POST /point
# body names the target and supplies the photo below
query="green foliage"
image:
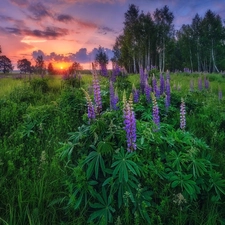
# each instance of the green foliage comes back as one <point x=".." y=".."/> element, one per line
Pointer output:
<point x="58" y="167"/>
<point x="39" y="84"/>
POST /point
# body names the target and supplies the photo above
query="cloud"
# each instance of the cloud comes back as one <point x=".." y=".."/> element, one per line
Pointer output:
<point x="64" y="18"/>
<point x="39" y="11"/>
<point x="16" y="22"/>
<point x="105" y="30"/>
<point x="21" y="3"/>
<point x="81" y="56"/>
<point x="88" y="1"/>
<point x="48" y="33"/>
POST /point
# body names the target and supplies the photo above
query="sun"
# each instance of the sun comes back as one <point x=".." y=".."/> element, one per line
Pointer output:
<point x="61" y="67"/>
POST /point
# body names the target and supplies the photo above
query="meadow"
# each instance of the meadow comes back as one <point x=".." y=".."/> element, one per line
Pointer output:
<point x="139" y="149"/>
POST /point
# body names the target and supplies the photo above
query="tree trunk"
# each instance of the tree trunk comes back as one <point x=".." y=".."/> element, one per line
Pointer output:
<point x="213" y="58"/>
<point x="191" y="61"/>
<point x="163" y="56"/>
<point x="134" y="64"/>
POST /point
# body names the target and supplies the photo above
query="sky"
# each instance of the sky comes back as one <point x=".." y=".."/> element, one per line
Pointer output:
<point x="63" y="31"/>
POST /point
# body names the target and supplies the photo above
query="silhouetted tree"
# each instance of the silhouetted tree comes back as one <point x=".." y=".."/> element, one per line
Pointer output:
<point x="24" y="65"/>
<point x="51" y="70"/>
<point x="74" y="68"/>
<point x="40" y="65"/>
<point x="102" y="60"/>
<point x="0" y="49"/>
<point x="5" y="64"/>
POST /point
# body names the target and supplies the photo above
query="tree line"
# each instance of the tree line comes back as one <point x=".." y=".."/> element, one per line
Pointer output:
<point x="25" y="66"/>
<point x="150" y="40"/>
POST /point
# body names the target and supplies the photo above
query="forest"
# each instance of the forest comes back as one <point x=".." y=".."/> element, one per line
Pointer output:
<point x="151" y="40"/>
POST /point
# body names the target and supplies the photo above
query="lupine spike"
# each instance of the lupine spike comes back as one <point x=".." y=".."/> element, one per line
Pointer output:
<point x="155" y="113"/>
<point x="130" y="124"/>
<point x="113" y="97"/>
<point x="97" y="93"/>
<point x="135" y="94"/>
<point x="162" y="84"/>
<point x="91" y="111"/>
<point x="200" y="84"/>
<point x="168" y="92"/>
<point x="220" y="95"/>
<point x="148" y="92"/>
<point x="182" y="115"/>
<point x="154" y="84"/>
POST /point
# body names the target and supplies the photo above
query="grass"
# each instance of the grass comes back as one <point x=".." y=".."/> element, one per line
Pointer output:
<point x="41" y="164"/>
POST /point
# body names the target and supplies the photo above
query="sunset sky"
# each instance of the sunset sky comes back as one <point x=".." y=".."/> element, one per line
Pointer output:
<point x="71" y="30"/>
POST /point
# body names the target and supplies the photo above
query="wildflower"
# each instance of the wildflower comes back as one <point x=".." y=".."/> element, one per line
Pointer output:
<point x="143" y="79"/>
<point x="97" y="93"/>
<point x="113" y="97"/>
<point x="166" y="103"/>
<point x="115" y="72"/>
<point x="167" y="75"/>
<point x="179" y="199"/>
<point x="148" y="91"/>
<point x="91" y="109"/>
<point x="135" y="94"/>
<point x="162" y="84"/>
<point x="157" y="92"/>
<point x="168" y="95"/>
<point x="220" y="95"/>
<point x="154" y="84"/>
<point x="155" y="113"/>
<point x="206" y="81"/>
<point x="130" y="124"/>
<point x="103" y="69"/>
<point x="182" y="115"/>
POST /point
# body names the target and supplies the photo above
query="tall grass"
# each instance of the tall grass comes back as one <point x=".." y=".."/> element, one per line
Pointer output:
<point x="42" y="165"/>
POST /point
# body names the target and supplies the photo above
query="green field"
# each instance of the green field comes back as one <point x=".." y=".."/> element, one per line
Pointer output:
<point x="60" y="167"/>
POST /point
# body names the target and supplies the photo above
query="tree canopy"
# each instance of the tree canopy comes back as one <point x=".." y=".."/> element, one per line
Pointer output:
<point x="150" y="40"/>
<point x="24" y="65"/>
<point x="102" y="60"/>
<point x="40" y="65"/>
<point x="5" y="64"/>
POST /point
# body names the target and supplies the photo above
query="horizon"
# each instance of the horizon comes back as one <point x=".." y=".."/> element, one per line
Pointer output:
<point x="68" y="31"/>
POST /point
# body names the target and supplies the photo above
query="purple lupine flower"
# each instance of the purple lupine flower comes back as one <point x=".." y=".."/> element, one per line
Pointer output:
<point x="143" y="78"/>
<point x="135" y="94"/>
<point x="182" y="115"/>
<point x="148" y="92"/>
<point x="206" y="81"/>
<point x="91" y="109"/>
<point x="157" y="92"/>
<point x="97" y="93"/>
<point x="154" y="84"/>
<point x="155" y="113"/>
<point x="130" y="125"/>
<point x="200" y="84"/>
<point x="168" y="94"/>
<point x="167" y="104"/>
<point x="103" y="70"/>
<point x="220" y="95"/>
<point x="167" y="75"/>
<point x="187" y="70"/>
<point x="191" y="85"/>
<point x="113" y="97"/>
<point x="115" y="72"/>
<point x="162" y="84"/>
